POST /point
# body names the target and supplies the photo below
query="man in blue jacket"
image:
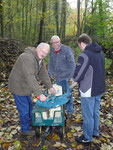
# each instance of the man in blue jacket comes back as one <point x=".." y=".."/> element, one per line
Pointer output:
<point x="62" y="66"/>
<point x="90" y="74"/>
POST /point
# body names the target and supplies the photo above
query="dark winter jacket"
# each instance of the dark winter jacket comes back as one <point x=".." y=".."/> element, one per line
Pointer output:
<point x="90" y="71"/>
<point x="23" y="77"/>
<point x="62" y="64"/>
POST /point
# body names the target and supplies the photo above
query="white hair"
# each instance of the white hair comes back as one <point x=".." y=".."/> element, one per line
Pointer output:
<point x="41" y="45"/>
<point x="55" y="36"/>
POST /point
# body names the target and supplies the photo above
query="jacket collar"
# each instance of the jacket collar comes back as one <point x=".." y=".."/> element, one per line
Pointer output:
<point x="35" y="55"/>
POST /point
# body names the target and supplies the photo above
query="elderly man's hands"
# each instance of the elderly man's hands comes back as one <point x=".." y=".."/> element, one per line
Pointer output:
<point x="42" y="97"/>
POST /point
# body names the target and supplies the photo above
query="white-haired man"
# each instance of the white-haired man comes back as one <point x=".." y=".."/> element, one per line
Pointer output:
<point x="23" y="81"/>
<point x="62" y="66"/>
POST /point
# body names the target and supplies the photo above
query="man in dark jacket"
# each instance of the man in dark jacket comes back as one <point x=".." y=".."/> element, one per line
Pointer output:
<point x="23" y="81"/>
<point x="90" y="74"/>
<point x="62" y="66"/>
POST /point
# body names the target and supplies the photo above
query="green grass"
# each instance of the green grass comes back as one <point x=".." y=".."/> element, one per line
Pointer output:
<point x="107" y="63"/>
<point x="46" y="60"/>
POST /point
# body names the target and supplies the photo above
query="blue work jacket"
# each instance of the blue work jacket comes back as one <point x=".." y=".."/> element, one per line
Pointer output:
<point x="61" y="64"/>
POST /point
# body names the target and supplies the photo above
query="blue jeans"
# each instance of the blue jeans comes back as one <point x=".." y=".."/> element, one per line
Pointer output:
<point x="91" y="116"/>
<point x="65" y="86"/>
<point x="24" y="106"/>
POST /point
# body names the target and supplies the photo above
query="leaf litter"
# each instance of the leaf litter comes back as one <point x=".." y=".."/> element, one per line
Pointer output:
<point x="10" y="134"/>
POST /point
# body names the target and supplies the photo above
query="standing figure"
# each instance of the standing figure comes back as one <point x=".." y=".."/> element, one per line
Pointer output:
<point x="90" y="74"/>
<point x="61" y="65"/>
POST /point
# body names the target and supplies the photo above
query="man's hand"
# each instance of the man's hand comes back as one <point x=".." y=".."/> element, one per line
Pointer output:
<point x="52" y="91"/>
<point x="72" y="83"/>
<point x="42" y="98"/>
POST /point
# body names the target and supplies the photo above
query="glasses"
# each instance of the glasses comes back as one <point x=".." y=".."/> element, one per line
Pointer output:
<point x="55" y="42"/>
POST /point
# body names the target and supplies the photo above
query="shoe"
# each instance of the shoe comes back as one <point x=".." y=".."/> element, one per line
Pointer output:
<point x="95" y="136"/>
<point x="81" y="139"/>
<point x="29" y="133"/>
<point x="69" y="116"/>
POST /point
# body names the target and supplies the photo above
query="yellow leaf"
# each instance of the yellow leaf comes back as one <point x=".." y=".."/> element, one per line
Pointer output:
<point x="96" y="141"/>
<point x="68" y="122"/>
<point x="44" y="147"/>
<point x="0" y="141"/>
<point x="103" y="139"/>
<point x="69" y="134"/>
<point x="55" y="137"/>
<point x="110" y="94"/>
<point x="106" y="135"/>
<point x="73" y="131"/>
<point x="73" y="145"/>
<point x="6" y="145"/>
<point x="17" y="145"/>
<point x="80" y="147"/>
<point x="36" y="144"/>
<point x="108" y="122"/>
<point x="107" y="106"/>
<point x="1" y="4"/>
<point x="78" y="120"/>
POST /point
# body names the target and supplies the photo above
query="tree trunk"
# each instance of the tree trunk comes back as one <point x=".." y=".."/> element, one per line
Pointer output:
<point x="10" y="18"/>
<point x="18" y="23"/>
<point x="78" y="18"/>
<point x="56" y="13"/>
<point x="101" y="18"/>
<point x="42" y="21"/>
<point x="30" y="22"/>
<point x="23" y="7"/>
<point x="84" y="16"/>
<point x="26" y="20"/>
<point x="63" y="20"/>
<point x="1" y="18"/>
<point x="35" y="23"/>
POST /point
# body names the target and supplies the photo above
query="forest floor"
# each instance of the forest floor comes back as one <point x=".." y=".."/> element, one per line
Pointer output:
<point x="11" y="138"/>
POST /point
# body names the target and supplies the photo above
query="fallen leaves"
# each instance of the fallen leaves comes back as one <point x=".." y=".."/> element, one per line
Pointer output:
<point x="79" y="147"/>
<point x="106" y="147"/>
<point x="55" y="137"/>
<point x="69" y="134"/>
<point x="10" y="126"/>
<point x="58" y="144"/>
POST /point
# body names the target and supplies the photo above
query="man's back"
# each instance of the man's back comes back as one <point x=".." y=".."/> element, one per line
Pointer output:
<point x="97" y="62"/>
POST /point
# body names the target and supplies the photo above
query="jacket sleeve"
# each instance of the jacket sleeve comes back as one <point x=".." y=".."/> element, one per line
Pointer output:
<point x="81" y="67"/>
<point x="44" y="76"/>
<point x="29" y="75"/>
<point x="67" y="66"/>
<point x="71" y="64"/>
<point x="51" y="65"/>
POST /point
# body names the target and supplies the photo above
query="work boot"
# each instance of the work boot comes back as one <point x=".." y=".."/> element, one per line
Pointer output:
<point x="82" y="140"/>
<point x="96" y="136"/>
<point x="29" y="133"/>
